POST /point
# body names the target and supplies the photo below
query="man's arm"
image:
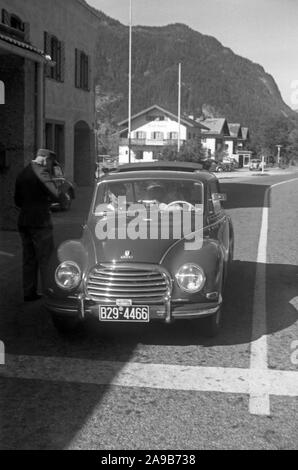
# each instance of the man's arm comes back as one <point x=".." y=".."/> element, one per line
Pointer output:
<point x="47" y="182"/>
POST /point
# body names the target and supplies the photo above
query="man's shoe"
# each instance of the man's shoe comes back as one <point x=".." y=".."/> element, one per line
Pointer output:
<point x="32" y="298"/>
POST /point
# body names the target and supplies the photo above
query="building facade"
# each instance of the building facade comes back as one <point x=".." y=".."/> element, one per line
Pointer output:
<point x="152" y="130"/>
<point x="47" y="70"/>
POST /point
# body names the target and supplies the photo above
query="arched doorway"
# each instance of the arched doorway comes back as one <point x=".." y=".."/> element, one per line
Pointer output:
<point x="82" y="154"/>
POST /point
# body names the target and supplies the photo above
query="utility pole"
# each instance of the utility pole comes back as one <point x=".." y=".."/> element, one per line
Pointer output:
<point x="130" y="82"/>
<point x="179" y="109"/>
<point x="278" y="153"/>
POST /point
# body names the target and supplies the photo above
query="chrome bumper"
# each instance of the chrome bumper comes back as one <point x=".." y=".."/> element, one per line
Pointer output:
<point x="82" y="307"/>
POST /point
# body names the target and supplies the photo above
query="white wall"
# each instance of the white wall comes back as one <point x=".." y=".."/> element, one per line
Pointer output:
<point x="209" y="144"/>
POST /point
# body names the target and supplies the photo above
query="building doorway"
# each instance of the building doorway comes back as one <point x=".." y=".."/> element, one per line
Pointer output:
<point x="83" y="167"/>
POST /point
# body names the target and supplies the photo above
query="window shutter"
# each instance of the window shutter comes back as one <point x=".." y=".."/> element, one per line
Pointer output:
<point x="89" y="73"/>
<point x="62" y="61"/>
<point x="47" y="49"/>
<point x="77" y="68"/>
<point x="5" y="17"/>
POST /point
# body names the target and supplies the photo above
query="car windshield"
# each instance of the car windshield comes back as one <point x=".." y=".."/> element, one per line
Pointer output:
<point x="161" y="192"/>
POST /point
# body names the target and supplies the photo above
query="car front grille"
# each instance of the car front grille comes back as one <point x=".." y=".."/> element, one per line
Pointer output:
<point x="150" y="284"/>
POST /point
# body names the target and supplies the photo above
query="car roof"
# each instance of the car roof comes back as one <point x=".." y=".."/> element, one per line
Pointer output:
<point x="167" y="170"/>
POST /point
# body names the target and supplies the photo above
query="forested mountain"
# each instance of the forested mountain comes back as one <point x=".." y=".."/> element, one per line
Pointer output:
<point x="216" y="82"/>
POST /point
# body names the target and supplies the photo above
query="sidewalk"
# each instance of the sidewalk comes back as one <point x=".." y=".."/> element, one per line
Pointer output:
<point x="245" y="173"/>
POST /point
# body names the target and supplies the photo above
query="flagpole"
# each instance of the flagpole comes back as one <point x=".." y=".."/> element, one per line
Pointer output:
<point x="179" y="109"/>
<point x="130" y="82"/>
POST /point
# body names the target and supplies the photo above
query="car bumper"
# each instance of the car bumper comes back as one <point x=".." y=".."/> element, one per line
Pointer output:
<point x="169" y="311"/>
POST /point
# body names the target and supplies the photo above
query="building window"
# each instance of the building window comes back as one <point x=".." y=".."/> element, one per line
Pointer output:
<point x="141" y="135"/>
<point x="82" y="72"/>
<point x="56" y="50"/>
<point x="14" y="26"/>
<point x="157" y="135"/>
<point x="151" y="118"/>
<point x="173" y="135"/>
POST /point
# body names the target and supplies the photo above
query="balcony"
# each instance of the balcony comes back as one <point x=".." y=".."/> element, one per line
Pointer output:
<point x="149" y="142"/>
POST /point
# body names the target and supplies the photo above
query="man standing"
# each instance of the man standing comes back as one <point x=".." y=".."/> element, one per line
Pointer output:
<point x="34" y="192"/>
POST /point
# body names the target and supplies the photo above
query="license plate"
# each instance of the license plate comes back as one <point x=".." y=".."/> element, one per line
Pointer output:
<point x="138" y="314"/>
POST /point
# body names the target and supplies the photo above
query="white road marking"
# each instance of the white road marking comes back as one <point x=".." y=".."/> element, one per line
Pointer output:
<point x="259" y="402"/>
<point x="155" y="376"/>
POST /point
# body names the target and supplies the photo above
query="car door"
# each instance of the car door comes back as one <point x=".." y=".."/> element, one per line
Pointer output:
<point x="217" y="221"/>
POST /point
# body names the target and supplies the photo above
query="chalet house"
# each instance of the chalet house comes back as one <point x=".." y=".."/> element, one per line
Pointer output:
<point x="228" y="139"/>
<point x="231" y="143"/>
<point x="215" y="137"/>
<point x="152" y="129"/>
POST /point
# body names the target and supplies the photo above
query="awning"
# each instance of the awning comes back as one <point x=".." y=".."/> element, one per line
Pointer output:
<point x="23" y="49"/>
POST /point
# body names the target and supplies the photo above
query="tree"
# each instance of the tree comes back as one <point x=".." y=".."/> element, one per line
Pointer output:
<point x="191" y="151"/>
<point x="292" y="149"/>
<point x="169" y="153"/>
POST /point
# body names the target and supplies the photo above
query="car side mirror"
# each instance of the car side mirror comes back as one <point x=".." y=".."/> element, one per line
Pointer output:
<point x="219" y="197"/>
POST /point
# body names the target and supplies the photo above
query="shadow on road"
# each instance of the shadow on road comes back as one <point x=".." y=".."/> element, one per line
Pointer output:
<point x="244" y="195"/>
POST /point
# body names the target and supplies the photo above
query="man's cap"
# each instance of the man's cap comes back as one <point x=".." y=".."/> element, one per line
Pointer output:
<point x="46" y="153"/>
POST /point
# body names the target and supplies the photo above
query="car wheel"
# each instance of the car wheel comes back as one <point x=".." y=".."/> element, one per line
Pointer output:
<point x="66" y="326"/>
<point x="219" y="170"/>
<point x="67" y="200"/>
<point x="211" y="325"/>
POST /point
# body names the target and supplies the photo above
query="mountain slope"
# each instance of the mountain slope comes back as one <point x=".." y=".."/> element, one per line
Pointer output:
<point x="216" y="81"/>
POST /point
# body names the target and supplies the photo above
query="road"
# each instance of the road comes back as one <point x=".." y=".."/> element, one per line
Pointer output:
<point x="158" y="386"/>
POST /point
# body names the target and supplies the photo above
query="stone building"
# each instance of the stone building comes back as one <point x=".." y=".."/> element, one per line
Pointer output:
<point x="47" y="71"/>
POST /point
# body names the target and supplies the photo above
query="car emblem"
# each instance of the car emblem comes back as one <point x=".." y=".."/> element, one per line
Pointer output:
<point x="127" y="255"/>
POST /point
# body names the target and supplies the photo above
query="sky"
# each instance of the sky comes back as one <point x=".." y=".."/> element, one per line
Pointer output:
<point x="264" y="31"/>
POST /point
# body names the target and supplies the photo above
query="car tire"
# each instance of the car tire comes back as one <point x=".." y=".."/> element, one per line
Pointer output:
<point x="66" y="203"/>
<point x="211" y="325"/>
<point x="66" y="326"/>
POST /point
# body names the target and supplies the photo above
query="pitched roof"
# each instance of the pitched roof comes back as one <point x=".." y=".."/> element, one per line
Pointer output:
<point x="184" y="120"/>
<point x="218" y="126"/>
<point x="235" y="130"/>
<point x="245" y="133"/>
<point x="23" y="45"/>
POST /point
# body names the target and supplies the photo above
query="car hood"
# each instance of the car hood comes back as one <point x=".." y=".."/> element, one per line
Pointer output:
<point x="139" y="250"/>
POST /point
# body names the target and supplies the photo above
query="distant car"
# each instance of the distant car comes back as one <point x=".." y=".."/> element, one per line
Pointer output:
<point x="255" y="164"/>
<point x="66" y="186"/>
<point x="153" y="277"/>
<point x="213" y="165"/>
<point x="230" y="163"/>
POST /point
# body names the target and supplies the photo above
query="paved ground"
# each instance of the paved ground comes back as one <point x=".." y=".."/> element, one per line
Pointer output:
<point x="161" y="387"/>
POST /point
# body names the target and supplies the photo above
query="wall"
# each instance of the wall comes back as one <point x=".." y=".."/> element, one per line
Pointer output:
<point x="17" y="136"/>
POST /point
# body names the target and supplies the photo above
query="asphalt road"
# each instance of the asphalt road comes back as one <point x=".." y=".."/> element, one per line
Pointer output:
<point x="158" y="386"/>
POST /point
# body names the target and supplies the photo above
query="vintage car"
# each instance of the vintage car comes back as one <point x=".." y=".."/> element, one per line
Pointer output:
<point x="119" y="272"/>
<point x="65" y="186"/>
<point x="255" y="164"/>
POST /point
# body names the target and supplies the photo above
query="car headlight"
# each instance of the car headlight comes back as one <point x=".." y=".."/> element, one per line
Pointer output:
<point x="191" y="278"/>
<point x="68" y="275"/>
